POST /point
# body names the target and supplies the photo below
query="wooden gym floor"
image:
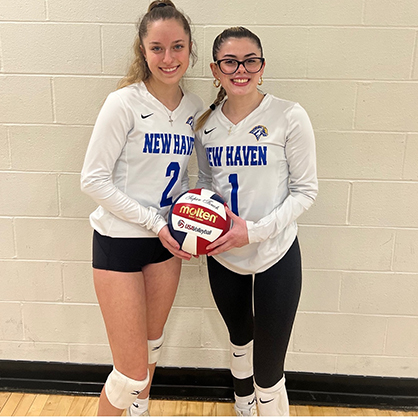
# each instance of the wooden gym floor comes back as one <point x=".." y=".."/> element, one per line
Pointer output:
<point x="29" y="404"/>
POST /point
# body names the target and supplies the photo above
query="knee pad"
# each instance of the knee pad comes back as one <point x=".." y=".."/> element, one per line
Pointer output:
<point x="273" y="401"/>
<point x="121" y="390"/>
<point x="242" y="360"/>
<point x="154" y="349"/>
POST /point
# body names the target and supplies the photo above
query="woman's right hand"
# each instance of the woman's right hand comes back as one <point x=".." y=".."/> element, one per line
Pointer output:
<point x="236" y="237"/>
<point x="171" y="244"/>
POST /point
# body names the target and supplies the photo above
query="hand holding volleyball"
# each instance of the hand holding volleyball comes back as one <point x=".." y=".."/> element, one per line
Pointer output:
<point x="196" y="219"/>
<point x="236" y="237"/>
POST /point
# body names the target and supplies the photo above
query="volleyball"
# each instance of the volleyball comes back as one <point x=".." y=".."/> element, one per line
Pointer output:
<point x="196" y="219"/>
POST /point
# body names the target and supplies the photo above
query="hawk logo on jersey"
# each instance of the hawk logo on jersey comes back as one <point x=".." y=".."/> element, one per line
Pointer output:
<point x="190" y="121"/>
<point x="259" y="131"/>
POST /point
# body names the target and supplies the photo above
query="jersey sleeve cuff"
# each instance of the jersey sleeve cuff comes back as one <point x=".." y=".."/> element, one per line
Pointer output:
<point x="159" y="224"/>
<point x="252" y="235"/>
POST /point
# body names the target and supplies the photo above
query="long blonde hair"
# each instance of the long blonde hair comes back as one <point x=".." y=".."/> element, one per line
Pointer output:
<point x="157" y="10"/>
<point x="234" y="32"/>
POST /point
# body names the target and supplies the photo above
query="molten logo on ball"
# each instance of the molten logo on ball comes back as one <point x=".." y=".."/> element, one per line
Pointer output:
<point x="196" y="219"/>
<point x="198" y="214"/>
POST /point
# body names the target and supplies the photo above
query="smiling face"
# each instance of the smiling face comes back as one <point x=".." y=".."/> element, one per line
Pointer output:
<point x="241" y="82"/>
<point x="166" y="49"/>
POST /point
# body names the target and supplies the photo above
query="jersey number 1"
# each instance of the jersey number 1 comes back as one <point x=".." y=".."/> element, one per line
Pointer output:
<point x="173" y="170"/>
<point x="233" y="180"/>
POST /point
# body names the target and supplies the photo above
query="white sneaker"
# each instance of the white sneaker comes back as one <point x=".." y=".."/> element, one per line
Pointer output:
<point x="132" y="411"/>
<point x="251" y="412"/>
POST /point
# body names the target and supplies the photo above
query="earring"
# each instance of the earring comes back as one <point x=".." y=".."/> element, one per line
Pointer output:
<point x="260" y="82"/>
<point x="216" y="83"/>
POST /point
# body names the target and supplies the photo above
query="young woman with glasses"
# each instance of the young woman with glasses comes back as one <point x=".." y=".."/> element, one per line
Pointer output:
<point x="135" y="166"/>
<point x="258" y="152"/>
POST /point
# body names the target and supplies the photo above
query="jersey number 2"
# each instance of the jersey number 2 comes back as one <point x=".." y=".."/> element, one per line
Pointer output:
<point x="173" y="170"/>
<point x="233" y="180"/>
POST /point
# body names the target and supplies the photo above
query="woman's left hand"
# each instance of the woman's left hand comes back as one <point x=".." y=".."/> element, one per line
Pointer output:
<point x="172" y="245"/>
<point x="236" y="237"/>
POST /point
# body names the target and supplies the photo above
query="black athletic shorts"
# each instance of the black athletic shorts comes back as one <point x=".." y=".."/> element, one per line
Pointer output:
<point x="127" y="254"/>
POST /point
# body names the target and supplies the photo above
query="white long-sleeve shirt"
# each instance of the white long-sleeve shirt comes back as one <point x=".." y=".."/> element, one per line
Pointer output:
<point x="265" y="167"/>
<point x="136" y="161"/>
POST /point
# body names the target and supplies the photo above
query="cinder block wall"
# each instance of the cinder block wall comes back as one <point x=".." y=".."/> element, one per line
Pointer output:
<point x="352" y="64"/>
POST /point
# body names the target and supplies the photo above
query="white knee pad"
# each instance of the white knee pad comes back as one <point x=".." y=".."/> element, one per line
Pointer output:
<point x="121" y="390"/>
<point x="154" y="349"/>
<point x="242" y="360"/>
<point x="273" y="401"/>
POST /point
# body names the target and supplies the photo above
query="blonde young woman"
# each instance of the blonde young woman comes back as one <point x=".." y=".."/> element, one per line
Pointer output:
<point x="258" y="152"/>
<point x="135" y="166"/>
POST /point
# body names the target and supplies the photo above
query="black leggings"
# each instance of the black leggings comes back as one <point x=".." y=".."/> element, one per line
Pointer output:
<point x="276" y="298"/>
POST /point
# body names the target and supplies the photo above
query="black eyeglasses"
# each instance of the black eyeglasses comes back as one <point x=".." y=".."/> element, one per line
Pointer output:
<point x="229" y="65"/>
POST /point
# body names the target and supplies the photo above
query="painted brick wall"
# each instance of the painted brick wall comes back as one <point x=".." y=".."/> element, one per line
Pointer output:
<point x="352" y="64"/>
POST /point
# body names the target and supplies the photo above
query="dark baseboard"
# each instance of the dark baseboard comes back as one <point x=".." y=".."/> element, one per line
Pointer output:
<point x="212" y="384"/>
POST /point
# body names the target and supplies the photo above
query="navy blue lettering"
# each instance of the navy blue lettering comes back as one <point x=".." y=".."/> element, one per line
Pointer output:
<point x="166" y="142"/>
<point x="161" y="143"/>
<point x="148" y="143"/>
<point x="217" y="155"/>
<point x="237" y="159"/>
<point x="209" y="155"/>
<point x="183" y="145"/>
<point x="156" y="149"/>
<point x="176" y="149"/>
<point x="214" y="155"/>
<point x="191" y="145"/>
<point x="237" y="155"/>
<point x="253" y="151"/>
<point x="229" y="151"/>
<point x="246" y="153"/>
<point x="262" y="155"/>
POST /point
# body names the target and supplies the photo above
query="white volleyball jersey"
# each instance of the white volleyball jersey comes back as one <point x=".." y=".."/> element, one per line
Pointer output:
<point x="265" y="168"/>
<point x="136" y="161"/>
